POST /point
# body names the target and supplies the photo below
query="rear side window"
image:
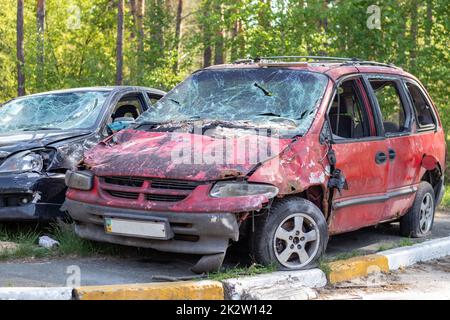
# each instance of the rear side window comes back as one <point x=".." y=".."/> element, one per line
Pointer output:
<point x="422" y="108"/>
<point x="391" y="106"/>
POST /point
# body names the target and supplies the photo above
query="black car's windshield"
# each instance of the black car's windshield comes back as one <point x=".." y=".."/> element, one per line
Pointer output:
<point x="262" y="96"/>
<point x="58" y="111"/>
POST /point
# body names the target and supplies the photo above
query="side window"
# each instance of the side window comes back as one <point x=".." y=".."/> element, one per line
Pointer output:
<point x="422" y="109"/>
<point x="153" y="97"/>
<point x="391" y="106"/>
<point x="347" y="114"/>
<point x="131" y="105"/>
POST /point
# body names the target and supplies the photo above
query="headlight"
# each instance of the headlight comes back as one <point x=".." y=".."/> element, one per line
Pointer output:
<point x="23" y="162"/>
<point x="240" y="189"/>
<point x="81" y="180"/>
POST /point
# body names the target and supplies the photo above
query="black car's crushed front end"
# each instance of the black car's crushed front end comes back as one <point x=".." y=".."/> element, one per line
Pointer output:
<point x="31" y="196"/>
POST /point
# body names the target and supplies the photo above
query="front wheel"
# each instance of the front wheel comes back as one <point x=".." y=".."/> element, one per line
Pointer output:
<point x="293" y="235"/>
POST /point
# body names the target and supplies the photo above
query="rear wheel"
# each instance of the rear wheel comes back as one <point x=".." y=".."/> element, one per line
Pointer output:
<point x="293" y="235"/>
<point x="418" y="222"/>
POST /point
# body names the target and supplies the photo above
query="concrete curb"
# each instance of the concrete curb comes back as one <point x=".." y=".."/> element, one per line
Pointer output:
<point x="406" y="256"/>
<point x="282" y="285"/>
<point x="388" y="260"/>
<point x="344" y="270"/>
<point x="183" y="290"/>
<point x="38" y="293"/>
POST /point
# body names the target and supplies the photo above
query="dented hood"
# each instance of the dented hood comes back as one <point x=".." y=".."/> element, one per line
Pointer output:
<point x="187" y="156"/>
<point x="21" y="141"/>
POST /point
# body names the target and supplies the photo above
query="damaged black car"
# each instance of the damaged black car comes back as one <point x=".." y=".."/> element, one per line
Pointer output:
<point x="44" y="135"/>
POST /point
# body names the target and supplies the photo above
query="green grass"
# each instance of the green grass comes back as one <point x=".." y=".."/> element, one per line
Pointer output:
<point x="238" y="272"/>
<point x="445" y="204"/>
<point x="345" y="255"/>
<point x="325" y="267"/>
<point x="406" y="242"/>
<point x="27" y="239"/>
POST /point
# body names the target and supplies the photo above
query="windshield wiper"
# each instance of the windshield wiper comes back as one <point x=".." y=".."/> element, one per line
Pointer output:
<point x="264" y="90"/>
<point x="41" y="129"/>
<point x="269" y="114"/>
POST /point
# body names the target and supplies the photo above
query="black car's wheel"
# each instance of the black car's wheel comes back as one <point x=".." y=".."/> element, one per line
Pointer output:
<point x="418" y="222"/>
<point x="293" y="235"/>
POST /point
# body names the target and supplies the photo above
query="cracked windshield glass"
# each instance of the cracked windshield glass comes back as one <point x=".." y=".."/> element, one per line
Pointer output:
<point x="282" y="99"/>
<point x="58" y="111"/>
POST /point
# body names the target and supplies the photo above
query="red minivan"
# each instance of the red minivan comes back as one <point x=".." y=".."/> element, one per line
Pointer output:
<point x="276" y="152"/>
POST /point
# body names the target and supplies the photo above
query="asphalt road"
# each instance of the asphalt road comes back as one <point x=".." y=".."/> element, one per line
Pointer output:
<point x="148" y="266"/>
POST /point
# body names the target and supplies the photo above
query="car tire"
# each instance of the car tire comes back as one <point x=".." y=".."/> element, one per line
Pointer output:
<point x="418" y="222"/>
<point x="292" y="235"/>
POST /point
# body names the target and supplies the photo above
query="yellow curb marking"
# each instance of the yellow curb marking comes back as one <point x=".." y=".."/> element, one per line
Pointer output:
<point x="345" y="270"/>
<point x="186" y="290"/>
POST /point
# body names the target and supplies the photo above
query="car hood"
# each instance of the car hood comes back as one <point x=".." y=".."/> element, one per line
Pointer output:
<point x="187" y="156"/>
<point x="20" y="141"/>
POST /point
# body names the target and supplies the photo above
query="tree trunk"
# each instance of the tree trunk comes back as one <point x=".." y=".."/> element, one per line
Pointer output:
<point x="178" y="34"/>
<point x="413" y="31"/>
<point x="40" y="18"/>
<point x="206" y="29"/>
<point x="234" y="36"/>
<point x="133" y="10"/>
<point x="20" y="53"/>
<point x="218" y="41"/>
<point x="140" y="36"/>
<point x="140" y="24"/>
<point x="119" y="47"/>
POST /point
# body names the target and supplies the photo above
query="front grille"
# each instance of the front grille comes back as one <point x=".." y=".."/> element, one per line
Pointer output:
<point x="177" y="190"/>
<point x="174" y="184"/>
<point x="125" y="181"/>
<point x="154" y="183"/>
<point x="125" y="195"/>
<point x="165" y="197"/>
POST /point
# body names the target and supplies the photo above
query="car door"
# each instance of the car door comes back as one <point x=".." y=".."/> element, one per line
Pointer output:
<point x="404" y="162"/>
<point x="361" y="155"/>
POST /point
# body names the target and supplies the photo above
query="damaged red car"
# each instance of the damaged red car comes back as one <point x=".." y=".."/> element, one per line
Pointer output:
<point x="275" y="152"/>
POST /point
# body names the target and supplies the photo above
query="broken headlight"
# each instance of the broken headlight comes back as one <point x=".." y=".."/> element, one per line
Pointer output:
<point x="81" y="180"/>
<point x="23" y="162"/>
<point x="241" y="189"/>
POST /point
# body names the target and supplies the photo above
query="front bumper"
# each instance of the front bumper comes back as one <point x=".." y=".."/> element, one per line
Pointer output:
<point x="194" y="233"/>
<point x="31" y="196"/>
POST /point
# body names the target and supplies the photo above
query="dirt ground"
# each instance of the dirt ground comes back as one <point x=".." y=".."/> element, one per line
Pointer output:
<point x="430" y="280"/>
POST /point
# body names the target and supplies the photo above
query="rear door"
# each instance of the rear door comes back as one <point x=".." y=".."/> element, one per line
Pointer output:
<point x="361" y="155"/>
<point x="397" y="121"/>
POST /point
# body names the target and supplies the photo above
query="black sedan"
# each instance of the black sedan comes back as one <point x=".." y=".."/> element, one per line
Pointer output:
<point x="44" y="135"/>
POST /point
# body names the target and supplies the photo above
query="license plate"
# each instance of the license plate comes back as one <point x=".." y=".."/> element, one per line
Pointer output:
<point x="143" y="229"/>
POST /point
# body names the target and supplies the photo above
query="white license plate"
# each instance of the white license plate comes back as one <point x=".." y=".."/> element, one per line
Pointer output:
<point x="144" y="229"/>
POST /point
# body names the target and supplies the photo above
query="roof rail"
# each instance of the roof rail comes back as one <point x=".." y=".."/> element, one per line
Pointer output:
<point x="274" y="60"/>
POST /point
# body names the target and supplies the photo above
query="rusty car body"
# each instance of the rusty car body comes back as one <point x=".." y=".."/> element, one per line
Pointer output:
<point x="347" y="144"/>
<point x="45" y="134"/>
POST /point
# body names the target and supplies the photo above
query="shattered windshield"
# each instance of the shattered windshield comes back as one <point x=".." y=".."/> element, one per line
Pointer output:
<point x="263" y="97"/>
<point x="58" y="111"/>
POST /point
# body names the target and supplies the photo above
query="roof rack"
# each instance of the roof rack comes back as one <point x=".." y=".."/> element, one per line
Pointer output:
<point x="281" y="61"/>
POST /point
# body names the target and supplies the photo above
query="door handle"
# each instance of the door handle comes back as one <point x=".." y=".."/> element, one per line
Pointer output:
<point x="380" y="157"/>
<point x="392" y="154"/>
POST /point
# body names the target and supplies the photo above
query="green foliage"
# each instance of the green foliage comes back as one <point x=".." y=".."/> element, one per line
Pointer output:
<point x="80" y="49"/>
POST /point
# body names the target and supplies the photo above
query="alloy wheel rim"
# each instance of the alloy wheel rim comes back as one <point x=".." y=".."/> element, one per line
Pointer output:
<point x="426" y="213"/>
<point x="296" y="240"/>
